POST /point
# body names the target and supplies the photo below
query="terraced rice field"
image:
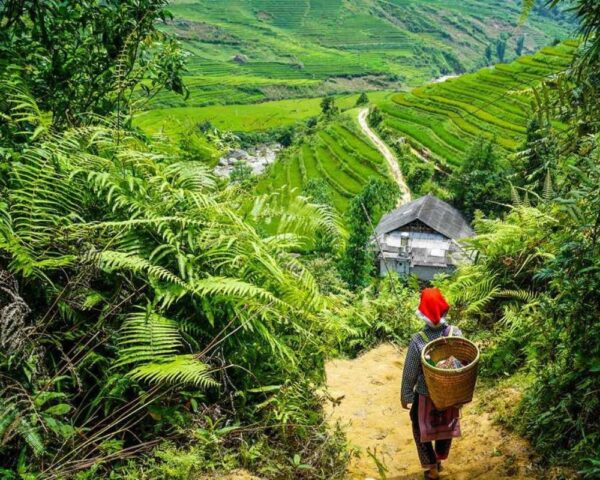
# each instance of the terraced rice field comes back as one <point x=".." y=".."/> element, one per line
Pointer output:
<point x="339" y="154"/>
<point x="445" y="119"/>
<point x="442" y="120"/>
<point x="243" y="51"/>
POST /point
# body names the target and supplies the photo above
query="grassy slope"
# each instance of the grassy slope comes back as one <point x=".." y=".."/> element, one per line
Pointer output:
<point x="295" y="47"/>
<point x="446" y="118"/>
<point x="337" y="153"/>
<point x="242" y="118"/>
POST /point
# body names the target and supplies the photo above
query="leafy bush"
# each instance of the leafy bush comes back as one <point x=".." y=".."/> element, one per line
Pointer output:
<point x="531" y="294"/>
<point x="137" y="293"/>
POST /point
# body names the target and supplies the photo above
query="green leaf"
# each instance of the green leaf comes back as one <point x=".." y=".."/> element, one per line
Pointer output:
<point x="57" y="410"/>
<point x="61" y="429"/>
<point x="43" y="397"/>
<point x="183" y="369"/>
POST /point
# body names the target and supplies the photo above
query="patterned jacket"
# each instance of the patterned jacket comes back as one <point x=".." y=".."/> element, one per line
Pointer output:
<point x="412" y="377"/>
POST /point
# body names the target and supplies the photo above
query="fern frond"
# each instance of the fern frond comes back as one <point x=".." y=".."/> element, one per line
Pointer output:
<point x="521" y="295"/>
<point x="111" y="260"/>
<point x="182" y="369"/>
<point x="191" y="176"/>
<point x="233" y="288"/>
<point x="42" y="199"/>
<point x="147" y="337"/>
<point x="31" y="435"/>
<point x="516" y="198"/>
<point x="296" y="215"/>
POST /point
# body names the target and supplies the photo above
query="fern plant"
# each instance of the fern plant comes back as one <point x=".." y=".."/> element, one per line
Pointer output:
<point x="144" y="274"/>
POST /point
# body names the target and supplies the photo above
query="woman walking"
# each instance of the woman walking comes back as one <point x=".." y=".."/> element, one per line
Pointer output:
<point x="428" y="424"/>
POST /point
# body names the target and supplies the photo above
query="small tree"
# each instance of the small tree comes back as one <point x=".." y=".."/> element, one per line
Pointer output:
<point x="328" y="106"/>
<point x="286" y="137"/>
<point x="375" y="117"/>
<point x="480" y="183"/>
<point x="376" y="198"/>
<point x="488" y="54"/>
<point x="362" y="100"/>
<point x="520" y="45"/>
<point x="501" y="49"/>
<point x="90" y="56"/>
<point x="538" y="157"/>
<point x="419" y="175"/>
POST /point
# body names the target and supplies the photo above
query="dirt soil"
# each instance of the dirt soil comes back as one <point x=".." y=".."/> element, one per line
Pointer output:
<point x="370" y="387"/>
<point x="389" y="156"/>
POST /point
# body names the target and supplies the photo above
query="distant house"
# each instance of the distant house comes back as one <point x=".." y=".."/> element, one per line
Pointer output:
<point x="421" y="238"/>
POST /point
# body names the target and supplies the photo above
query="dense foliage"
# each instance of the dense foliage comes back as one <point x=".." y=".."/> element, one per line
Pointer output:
<point x="534" y="282"/>
<point x="88" y="57"/>
<point x="481" y="183"/>
<point x="125" y="271"/>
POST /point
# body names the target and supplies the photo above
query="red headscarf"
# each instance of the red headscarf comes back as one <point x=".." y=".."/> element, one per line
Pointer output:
<point x="433" y="305"/>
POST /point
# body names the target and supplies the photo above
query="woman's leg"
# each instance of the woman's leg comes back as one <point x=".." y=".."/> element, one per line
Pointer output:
<point x="442" y="449"/>
<point x="425" y="450"/>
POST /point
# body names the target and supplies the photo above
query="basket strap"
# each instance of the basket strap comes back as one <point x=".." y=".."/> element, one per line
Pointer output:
<point x="424" y="336"/>
<point x="448" y="331"/>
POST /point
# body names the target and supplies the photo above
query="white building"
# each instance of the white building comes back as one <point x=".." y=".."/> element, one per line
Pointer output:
<point x="421" y="238"/>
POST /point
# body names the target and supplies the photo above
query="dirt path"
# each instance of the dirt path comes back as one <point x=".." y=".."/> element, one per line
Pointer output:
<point x="387" y="154"/>
<point x="371" y="406"/>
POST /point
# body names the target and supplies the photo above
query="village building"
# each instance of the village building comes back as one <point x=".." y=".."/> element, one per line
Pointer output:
<point x="421" y="238"/>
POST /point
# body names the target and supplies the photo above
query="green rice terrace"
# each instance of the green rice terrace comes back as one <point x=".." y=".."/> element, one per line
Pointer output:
<point x="443" y="120"/>
<point x="244" y="51"/>
<point x="338" y="154"/>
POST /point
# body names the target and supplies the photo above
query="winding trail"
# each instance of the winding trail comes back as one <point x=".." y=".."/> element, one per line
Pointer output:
<point x="368" y="393"/>
<point x="391" y="159"/>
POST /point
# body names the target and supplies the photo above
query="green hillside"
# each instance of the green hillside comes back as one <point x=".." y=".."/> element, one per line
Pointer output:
<point x="445" y="119"/>
<point x="338" y="154"/>
<point x="243" y="51"/>
<point x="441" y="120"/>
<point x="241" y="117"/>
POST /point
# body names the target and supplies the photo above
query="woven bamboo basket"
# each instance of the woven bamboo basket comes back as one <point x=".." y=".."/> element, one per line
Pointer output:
<point x="453" y="387"/>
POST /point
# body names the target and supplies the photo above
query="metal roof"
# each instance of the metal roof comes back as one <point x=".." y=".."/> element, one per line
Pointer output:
<point x="433" y="212"/>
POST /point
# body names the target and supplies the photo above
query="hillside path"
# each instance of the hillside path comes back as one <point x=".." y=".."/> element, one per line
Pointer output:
<point x="391" y="159"/>
<point x="376" y="421"/>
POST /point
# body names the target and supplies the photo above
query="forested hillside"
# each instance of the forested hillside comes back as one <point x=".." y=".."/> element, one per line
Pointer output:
<point x="160" y="320"/>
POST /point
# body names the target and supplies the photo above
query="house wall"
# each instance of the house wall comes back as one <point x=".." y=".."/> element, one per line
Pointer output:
<point x="393" y="265"/>
<point x="427" y="273"/>
<point x="430" y="253"/>
<point x="437" y="244"/>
